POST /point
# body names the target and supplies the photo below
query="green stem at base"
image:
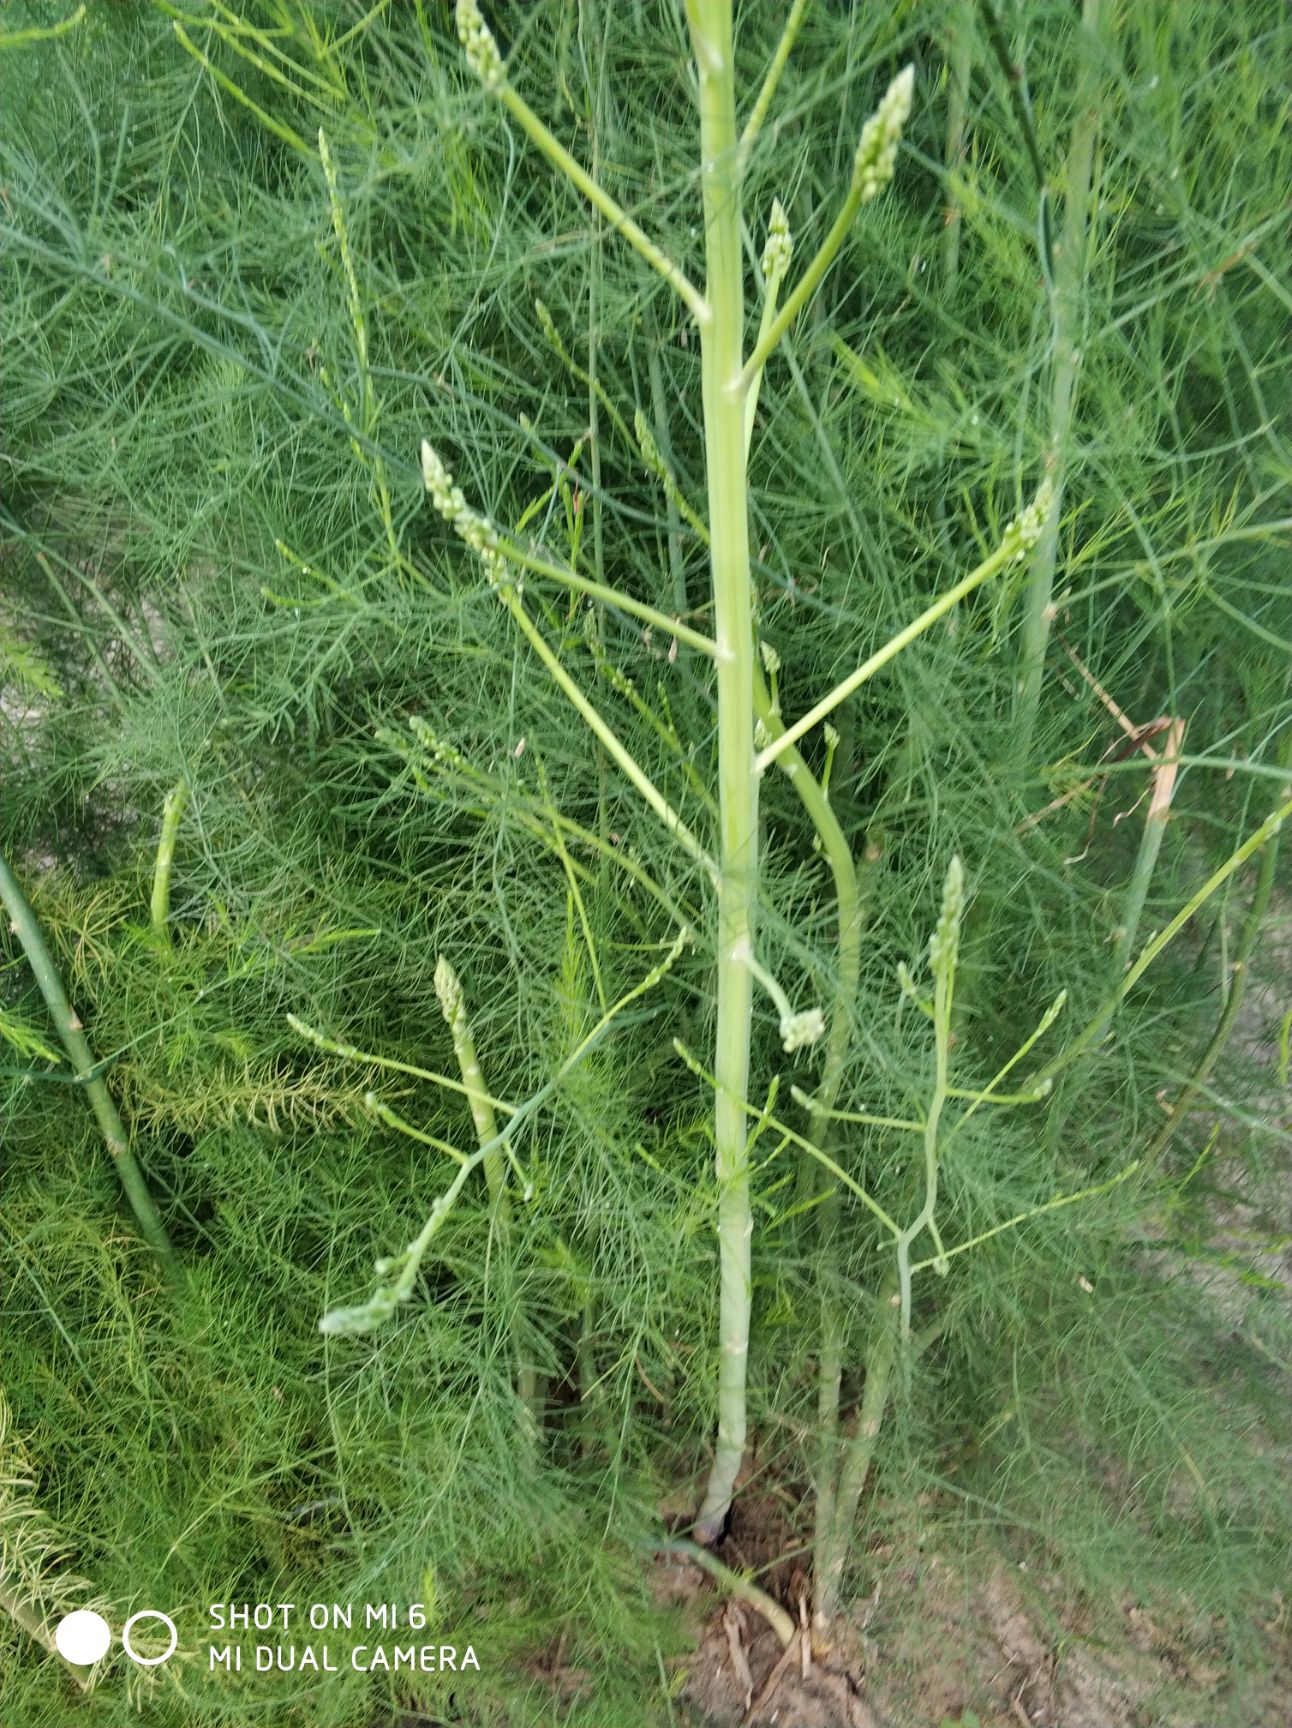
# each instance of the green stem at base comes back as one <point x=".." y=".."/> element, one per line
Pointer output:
<point x="832" y="1554"/>
<point x="24" y="925"/>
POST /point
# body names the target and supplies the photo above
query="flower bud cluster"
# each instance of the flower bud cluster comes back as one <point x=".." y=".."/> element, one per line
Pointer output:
<point x="481" y="49"/>
<point x="876" y="157"/>
<point x="802" y="1028"/>
<point x="945" y="940"/>
<point x="477" y="530"/>
<point x="449" y="991"/>
<point x="648" y="447"/>
<point x="547" y="325"/>
<point x="436" y="748"/>
<point x="1025" y="530"/>
<point x="779" y="249"/>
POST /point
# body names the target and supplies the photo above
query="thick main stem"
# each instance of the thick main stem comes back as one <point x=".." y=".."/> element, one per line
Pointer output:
<point x="721" y="342"/>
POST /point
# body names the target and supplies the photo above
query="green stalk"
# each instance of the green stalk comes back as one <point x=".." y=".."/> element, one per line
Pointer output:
<point x="1155" y="945"/>
<point x="1141" y="877"/>
<point x="1150" y="845"/>
<point x="960" y="56"/>
<point x="23" y="924"/>
<point x="871" y="171"/>
<point x="1253" y="924"/>
<point x="601" y="200"/>
<point x="649" y="791"/>
<point x="1019" y="537"/>
<point x="398" y="1272"/>
<point x="758" y="113"/>
<point x="172" y="812"/>
<point x="727" y="385"/>
<point x="721" y="344"/>
<point x="944" y="952"/>
<point x="1069" y="268"/>
<point x="494" y="1149"/>
<point x="821" y="1105"/>
<point x="832" y="1554"/>
<point x="454" y="1009"/>
<point x="525" y="559"/>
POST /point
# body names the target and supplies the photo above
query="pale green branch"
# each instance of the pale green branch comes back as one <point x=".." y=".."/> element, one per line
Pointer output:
<point x="399" y="1271"/>
<point x="486" y="62"/>
<point x="1023" y="1217"/>
<point x="795" y="1139"/>
<point x="1019" y="536"/>
<point x="758" y="113"/>
<point x="872" y="169"/>
<point x="172" y="812"/>
<point x="639" y="778"/>
<point x="1152" y="949"/>
<point x="814" y="1108"/>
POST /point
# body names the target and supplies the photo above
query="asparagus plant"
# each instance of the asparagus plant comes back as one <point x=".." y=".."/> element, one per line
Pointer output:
<point x="752" y="736"/>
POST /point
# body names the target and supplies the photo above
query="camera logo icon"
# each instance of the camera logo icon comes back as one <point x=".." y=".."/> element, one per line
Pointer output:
<point x="83" y="1637"/>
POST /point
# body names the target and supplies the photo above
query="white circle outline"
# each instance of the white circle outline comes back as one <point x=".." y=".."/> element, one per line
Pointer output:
<point x="149" y="1614"/>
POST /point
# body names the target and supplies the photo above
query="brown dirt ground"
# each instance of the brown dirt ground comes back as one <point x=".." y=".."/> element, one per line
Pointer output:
<point x="933" y="1643"/>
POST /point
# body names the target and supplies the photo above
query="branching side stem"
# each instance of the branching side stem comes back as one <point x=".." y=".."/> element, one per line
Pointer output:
<point x="758" y="113"/>
<point x="600" y="199"/>
<point x="644" y="784"/>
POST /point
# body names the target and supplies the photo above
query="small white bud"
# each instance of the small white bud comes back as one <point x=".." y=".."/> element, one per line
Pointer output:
<point x="1025" y="530"/>
<point x="771" y="659"/>
<point x="478" y="41"/>
<point x="876" y="156"/>
<point x="449" y="991"/>
<point x="779" y="249"/>
<point x="438" y="482"/>
<point x="945" y="940"/>
<point x="800" y="1029"/>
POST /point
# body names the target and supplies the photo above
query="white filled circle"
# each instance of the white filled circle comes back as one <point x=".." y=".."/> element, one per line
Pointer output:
<point x="82" y="1637"/>
<point x="149" y="1614"/>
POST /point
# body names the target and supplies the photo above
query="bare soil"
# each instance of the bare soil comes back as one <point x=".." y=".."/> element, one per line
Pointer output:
<point x="937" y="1646"/>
